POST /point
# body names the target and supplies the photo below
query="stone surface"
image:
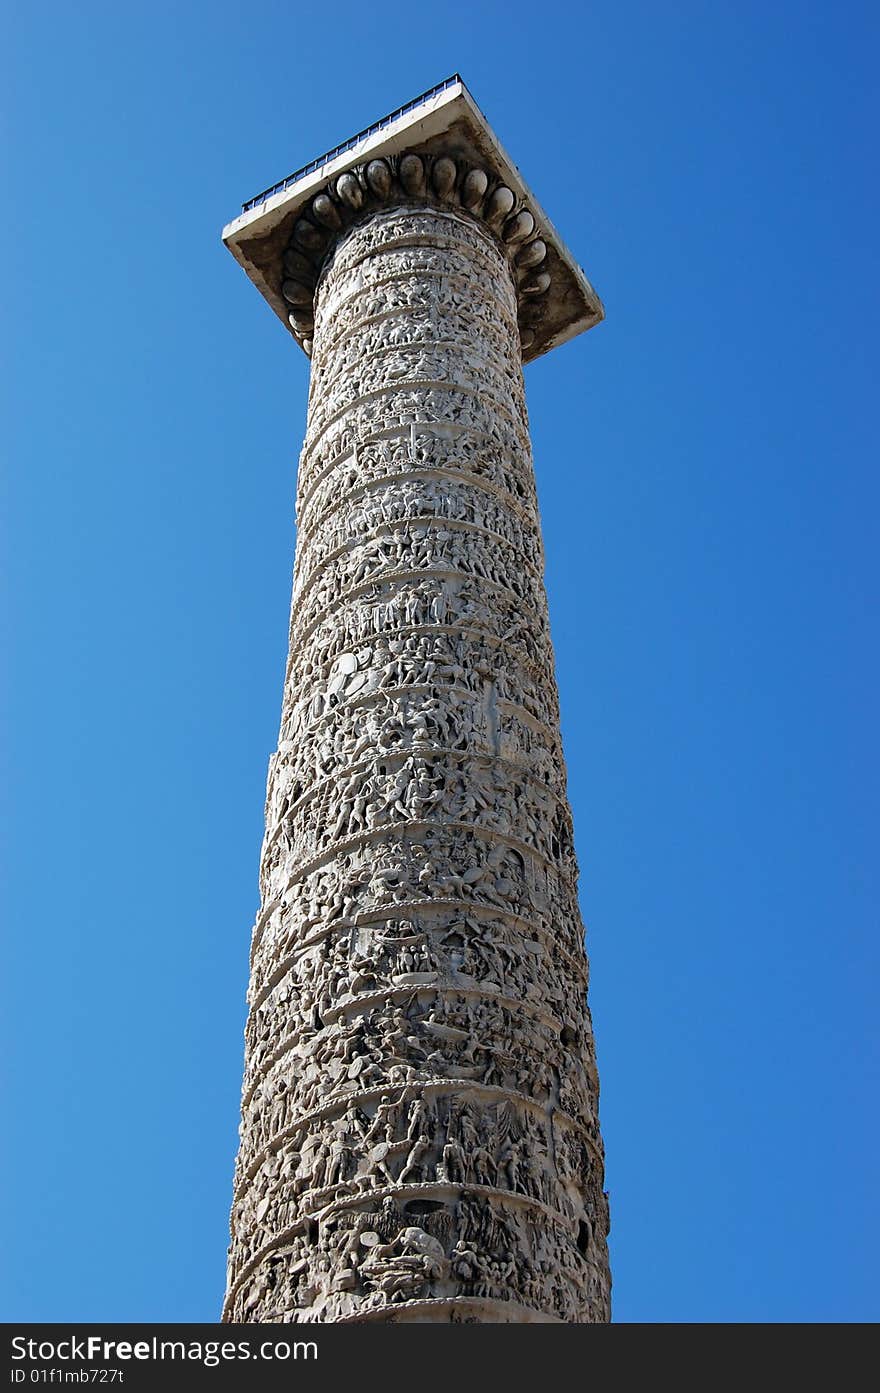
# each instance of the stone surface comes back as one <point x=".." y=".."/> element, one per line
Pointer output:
<point x="419" y="1135"/>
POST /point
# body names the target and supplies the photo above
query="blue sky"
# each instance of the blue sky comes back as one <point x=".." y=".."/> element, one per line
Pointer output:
<point x="707" y="467"/>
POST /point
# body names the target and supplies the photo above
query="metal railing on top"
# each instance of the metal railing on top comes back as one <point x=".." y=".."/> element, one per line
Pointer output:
<point x="349" y="144"/>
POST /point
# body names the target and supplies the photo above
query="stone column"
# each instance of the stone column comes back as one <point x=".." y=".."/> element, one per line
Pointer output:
<point x="419" y="1134"/>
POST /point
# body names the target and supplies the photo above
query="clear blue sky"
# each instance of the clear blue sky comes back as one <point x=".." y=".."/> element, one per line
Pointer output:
<point x="707" y="465"/>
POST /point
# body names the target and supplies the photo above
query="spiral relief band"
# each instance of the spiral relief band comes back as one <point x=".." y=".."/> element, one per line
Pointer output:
<point x="419" y="1136"/>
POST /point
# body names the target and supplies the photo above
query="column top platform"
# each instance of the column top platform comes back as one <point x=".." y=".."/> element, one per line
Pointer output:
<point x="282" y="235"/>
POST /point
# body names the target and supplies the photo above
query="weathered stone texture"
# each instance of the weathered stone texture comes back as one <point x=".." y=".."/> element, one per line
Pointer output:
<point x="419" y="1137"/>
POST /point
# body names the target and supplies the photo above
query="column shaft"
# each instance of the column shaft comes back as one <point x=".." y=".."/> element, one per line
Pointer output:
<point x="419" y="1131"/>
